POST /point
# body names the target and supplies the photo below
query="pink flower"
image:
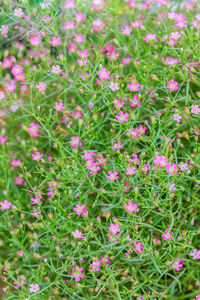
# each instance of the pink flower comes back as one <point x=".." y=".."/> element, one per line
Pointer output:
<point x="34" y="288"/>
<point x="195" y="109"/>
<point x="20" y="253"/>
<point x="35" y="40"/>
<point x="15" y="163"/>
<point x="75" y="142"/>
<point x="104" y="74"/>
<point x="7" y="63"/>
<point x="177" y="118"/>
<point x="135" y="101"/>
<point x="59" y="106"/>
<point x="56" y="69"/>
<point x="55" y="41"/>
<point x="138" y="247"/>
<point x="77" y="273"/>
<point x="112" y="175"/>
<point x="160" y="161"/>
<point x="171" y="61"/>
<point x="131" y="207"/>
<point x="18" y="12"/>
<point x="134" y="86"/>
<point x="117" y="146"/>
<point x="171" y="168"/>
<point x="3" y="139"/>
<point x="80" y="210"/>
<point x="195" y="254"/>
<point x="131" y="171"/>
<point x="122" y="117"/>
<point x="37" y="156"/>
<point x="118" y="103"/>
<point x="126" y="30"/>
<point x="167" y="235"/>
<point x="21" y="280"/>
<point x="36" y="200"/>
<point x="79" y="17"/>
<point x="70" y="4"/>
<point x="77" y="234"/>
<point x="136" y="24"/>
<point x="95" y="266"/>
<point x="19" y="180"/>
<point x="2" y="95"/>
<point x="98" y="25"/>
<point x="105" y="260"/>
<point x="41" y="86"/>
<point x="112" y="55"/>
<point x="5" y="205"/>
<point x="4" y="30"/>
<point x="70" y="25"/>
<point x="10" y="87"/>
<point x="33" y="129"/>
<point x="36" y="213"/>
<point x="114" y="228"/>
<point x="177" y="265"/>
<point x="17" y="69"/>
<point x="172" y="85"/>
<point x="78" y="38"/>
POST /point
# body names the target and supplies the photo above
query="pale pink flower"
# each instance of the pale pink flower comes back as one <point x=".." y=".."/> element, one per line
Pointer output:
<point x="114" y="86"/>
<point x="122" y="117"/>
<point x="112" y="175"/>
<point x="131" y="207"/>
<point x="172" y="85"/>
<point x="114" y="228"/>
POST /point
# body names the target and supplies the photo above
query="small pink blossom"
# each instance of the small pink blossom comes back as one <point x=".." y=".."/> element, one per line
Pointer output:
<point x="35" y="40"/>
<point x="134" y="86"/>
<point x="114" y="228"/>
<point x="172" y="85"/>
<point x="167" y="235"/>
<point x="131" y="171"/>
<point x="195" y="109"/>
<point x="122" y="117"/>
<point x="114" y="86"/>
<point x="138" y="247"/>
<point x="59" y="106"/>
<point x="5" y="204"/>
<point x="77" y="273"/>
<point x="104" y="74"/>
<point x="77" y="234"/>
<point x="112" y="175"/>
<point x="75" y="142"/>
<point x="131" y="207"/>
<point x="18" y="12"/>
<point x="37" y="156"/>
<point x="56" y="69"/>
<point x="34" y="288"/>
<point x="55" y="41"/>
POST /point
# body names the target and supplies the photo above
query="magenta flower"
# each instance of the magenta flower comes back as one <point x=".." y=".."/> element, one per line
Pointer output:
<point x="56" y="69"/>
<point x="177" y="265"/>
<point x="122" y="117"/>
<point x="105" y="260"/>
<point x="77" y="234"/>
<point x="36" y="200"/>
<point x="195" y="254"/>
<point x="79" y="38"/>
<point x="167" y="235"/>
<point x="131" y="171"/>
<point x="104" y="74"/>
<point x="77" y="273"/>
<point x="36" y="213"/>
<point x="131" y="207"/>
<point x="138" y="247"/>
<point x="5" y="205"/>
<point x="114" y="86"/>
<point x="21" y="280"/>
<point x="134" y="86"/>
<point x="37" y="156"/>
<point x="171" y="168"/>
<point x="35" y="41"/>
<point x="3" y="139"/>
<point x="177" y="118"/>
<point x="95" y="266"/>
<point x="75" y="142"/>
<point x="33" y="129"/>
<point x="172" y="85"/>
<point x="114" y="228"/>
<point x="41" y="86"/>
<point x="160" y="161"/>
<point x="70" y="4"/>
<point x="195" y="109"/>
<point x="4" y="30"/>
<point x="55" y="41"/>
<point x="80" y="210"/>
<point x="34" y="288"/>
<point x="112" y="175"/>
<point x="19" y="180"/>
<point x="59" y="106"/>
